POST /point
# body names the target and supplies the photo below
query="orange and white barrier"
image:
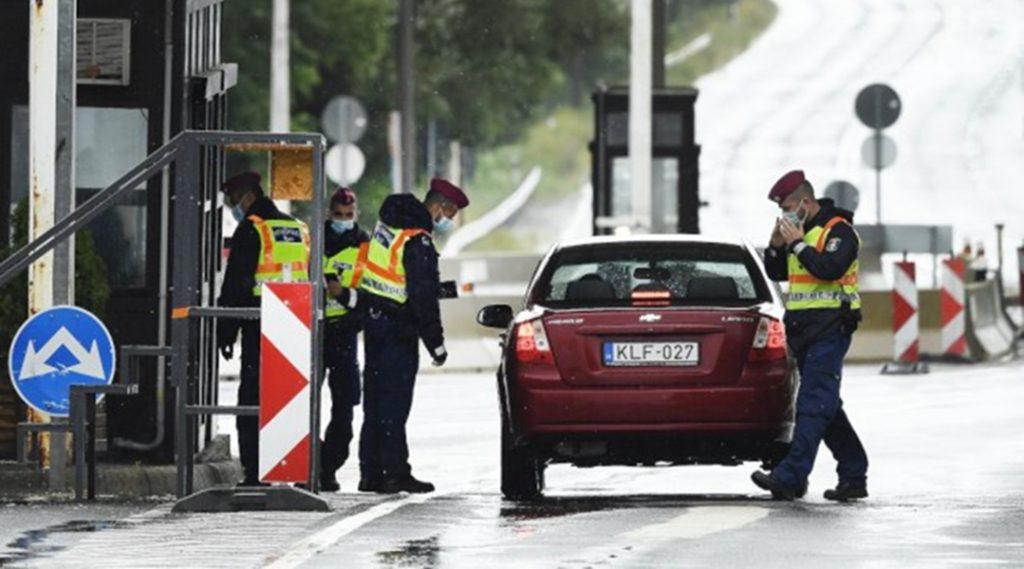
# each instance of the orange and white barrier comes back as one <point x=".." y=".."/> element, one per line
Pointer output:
<point x="952" y="299"/>
<point x="904" y="313"/>
<point x="286" y="312"/>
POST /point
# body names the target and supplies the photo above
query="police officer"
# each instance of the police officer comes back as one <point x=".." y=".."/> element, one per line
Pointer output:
<point x="400" y="286"/>
<point x="815" y="248"/>
<point x="345" y="249"/>
<point x="267" y="246"/>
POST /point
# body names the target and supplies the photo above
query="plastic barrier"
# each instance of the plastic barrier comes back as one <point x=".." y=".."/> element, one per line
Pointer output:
<point x="285" y="366"/>
<point x="905" y="326"/>
<point x="951" y="306"/>
<point x="906" y="344"/>
<point x="989" y="334"/>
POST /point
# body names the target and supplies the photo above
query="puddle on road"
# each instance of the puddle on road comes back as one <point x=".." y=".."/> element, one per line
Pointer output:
<point x="38" y="542"/>
<point x="420" y="553"/>
<point x="554" y="507"/>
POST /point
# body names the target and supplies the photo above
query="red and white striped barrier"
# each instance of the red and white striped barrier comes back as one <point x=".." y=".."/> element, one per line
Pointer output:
<point x="904" y="313"/>
<point x="286" y="312"/>
<point x="951" y="308"/>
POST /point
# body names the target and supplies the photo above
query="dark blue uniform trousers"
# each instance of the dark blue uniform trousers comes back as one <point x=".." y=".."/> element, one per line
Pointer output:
<point x="341" y="360"/>
<point x="820" y="417"/>
<point x="249" y="394"/>
<point x="392" y="360"/>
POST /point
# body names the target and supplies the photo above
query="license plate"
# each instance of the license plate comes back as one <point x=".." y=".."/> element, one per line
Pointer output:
<point x="651" y="353"/>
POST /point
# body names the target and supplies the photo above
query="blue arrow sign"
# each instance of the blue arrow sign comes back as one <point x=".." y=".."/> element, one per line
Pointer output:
<point x="58" y="348"/>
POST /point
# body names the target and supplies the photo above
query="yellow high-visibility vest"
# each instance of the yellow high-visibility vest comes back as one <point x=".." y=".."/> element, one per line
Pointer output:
<point x="807" y="291"/>
<point x="348" y="265"/>
<point x="284" y="251"/>
<point x="384" y="274"/>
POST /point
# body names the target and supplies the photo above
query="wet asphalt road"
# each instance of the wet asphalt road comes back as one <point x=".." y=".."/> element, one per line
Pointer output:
<point x="947" y="485"/>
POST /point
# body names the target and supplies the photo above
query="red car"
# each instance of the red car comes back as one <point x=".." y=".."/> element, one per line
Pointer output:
<point x="642" y="351"/>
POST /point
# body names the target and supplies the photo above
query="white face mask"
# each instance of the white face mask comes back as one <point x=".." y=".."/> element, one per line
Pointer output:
<point x="443" y="225"/>
<point x="795" y="218"/>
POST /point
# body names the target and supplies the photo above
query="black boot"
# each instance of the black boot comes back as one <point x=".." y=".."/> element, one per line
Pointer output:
<point x="779" y="491"/>
<point x="369" y="483"/>
<point x="328" y="483"/>
<point x="407" y="483"/>
<point x="845" y="492"/>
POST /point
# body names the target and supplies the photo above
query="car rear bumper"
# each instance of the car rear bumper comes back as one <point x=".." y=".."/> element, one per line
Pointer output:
<point x="756" y="411"/>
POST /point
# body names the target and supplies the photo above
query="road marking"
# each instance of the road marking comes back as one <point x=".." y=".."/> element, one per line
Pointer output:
<point x="324" y="539"/>
<point x="701" y="521"/>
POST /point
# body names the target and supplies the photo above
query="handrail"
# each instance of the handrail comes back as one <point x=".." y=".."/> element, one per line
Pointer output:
<point x="162" y="157"/>
<point x="30" y="252"/>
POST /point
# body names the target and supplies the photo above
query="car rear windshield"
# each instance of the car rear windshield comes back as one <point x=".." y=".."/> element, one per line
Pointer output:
<point x="650" y="274"/>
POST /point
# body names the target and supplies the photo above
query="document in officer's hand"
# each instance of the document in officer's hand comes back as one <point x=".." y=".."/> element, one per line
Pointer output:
<point x="449" y="289"/>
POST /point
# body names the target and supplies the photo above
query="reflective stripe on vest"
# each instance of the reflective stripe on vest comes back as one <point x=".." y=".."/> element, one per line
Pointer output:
<point x="808" y="292"/>
<point x="284" y="251"/>
<point x="348" y="264"/>
<point x="384" y="273"/>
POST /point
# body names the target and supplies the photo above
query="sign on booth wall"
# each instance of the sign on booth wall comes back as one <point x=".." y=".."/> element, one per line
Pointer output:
<point x="55" y="349"/>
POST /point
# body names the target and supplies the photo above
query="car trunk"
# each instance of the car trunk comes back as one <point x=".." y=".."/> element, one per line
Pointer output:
<point x="583" y="340"/>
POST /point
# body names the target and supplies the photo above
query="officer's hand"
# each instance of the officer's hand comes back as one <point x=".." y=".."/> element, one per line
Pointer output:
<point x="228" y="351"/>
<point x="790" y="232"/>
<point x="777" y="240"/>
<point x="440" y="356"/>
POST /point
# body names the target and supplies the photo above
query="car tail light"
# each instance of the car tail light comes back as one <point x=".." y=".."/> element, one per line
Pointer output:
<point x="532" y="343"/>
<point x="769" y="341"/>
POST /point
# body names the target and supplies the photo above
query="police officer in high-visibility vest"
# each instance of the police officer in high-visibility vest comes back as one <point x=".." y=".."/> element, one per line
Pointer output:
<point x="345" y="249"/>
<point x="401" y="288"/>
<point x="267" y="246"/>
<point x="815" y="247"/>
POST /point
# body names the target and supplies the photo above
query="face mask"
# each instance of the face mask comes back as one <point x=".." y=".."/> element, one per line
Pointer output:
<point x="342" y="225"/>
<point x="443" y="225"/>
<point x="794" y="217"/>
<point x="237" y="213"/>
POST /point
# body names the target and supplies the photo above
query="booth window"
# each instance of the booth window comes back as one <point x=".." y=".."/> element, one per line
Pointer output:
<point x="108" y="143"/>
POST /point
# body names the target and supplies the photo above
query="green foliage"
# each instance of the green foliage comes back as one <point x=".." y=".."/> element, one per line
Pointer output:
<point x="484" y="68"/>
<point x="91" y="288"/>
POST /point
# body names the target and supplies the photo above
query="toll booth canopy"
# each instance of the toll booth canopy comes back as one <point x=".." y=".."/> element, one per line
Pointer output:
<point x="674" y="167"/>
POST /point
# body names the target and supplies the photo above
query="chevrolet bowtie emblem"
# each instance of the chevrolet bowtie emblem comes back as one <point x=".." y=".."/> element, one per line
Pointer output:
<point x="650" y="317"/>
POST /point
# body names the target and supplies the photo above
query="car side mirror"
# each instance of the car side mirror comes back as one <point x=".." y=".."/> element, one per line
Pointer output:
<point x="495" y="316"/>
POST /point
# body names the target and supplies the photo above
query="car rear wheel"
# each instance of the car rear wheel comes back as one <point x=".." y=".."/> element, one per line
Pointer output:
<point x="522" y="473"/>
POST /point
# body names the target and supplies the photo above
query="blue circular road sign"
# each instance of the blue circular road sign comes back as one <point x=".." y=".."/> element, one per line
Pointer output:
<point x="58" y="348"/>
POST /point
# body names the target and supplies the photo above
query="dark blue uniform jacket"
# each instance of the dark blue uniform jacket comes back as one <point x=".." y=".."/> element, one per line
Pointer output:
<point x="840" y="251"/>
<point x="422" y="311"/>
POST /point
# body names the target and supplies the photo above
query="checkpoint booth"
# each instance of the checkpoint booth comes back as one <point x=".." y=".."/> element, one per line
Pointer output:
<point x="674" y="169"/>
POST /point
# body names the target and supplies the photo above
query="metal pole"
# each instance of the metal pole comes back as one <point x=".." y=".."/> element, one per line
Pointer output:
<point x="406" y="92"/>
<point x="316" y="330"/>
<point x="658" y="47"/>
<point x="878" y="176"/>
<point x="42" y="122"/>
<point x="280" y="101"/>
<point x="640" y="114"/>
<point x="395" y="150"/>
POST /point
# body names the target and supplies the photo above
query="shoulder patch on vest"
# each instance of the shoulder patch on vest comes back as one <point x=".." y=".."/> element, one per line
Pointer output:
<point x="833" y="244"/>
<point x="287" y="234"/>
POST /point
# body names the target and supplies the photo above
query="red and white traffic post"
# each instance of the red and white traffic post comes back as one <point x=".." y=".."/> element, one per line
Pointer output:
<point x="952" y="299"/>
<point x="905" y="325"/>
<point x="286" y="313"/>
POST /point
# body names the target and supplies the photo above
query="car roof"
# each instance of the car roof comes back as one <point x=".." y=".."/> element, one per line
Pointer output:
<point x="655" y="238"/>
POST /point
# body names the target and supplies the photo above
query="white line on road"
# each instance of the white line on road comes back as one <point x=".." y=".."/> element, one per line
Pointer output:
<point x="324" y="539"/>
<point x="701" y="521"/>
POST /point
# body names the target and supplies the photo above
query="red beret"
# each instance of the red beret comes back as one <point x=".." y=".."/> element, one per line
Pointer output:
<point x="450" y="191"/>
<point x="786" y="185"/>
<point x="243" y="181"/>
<point x="343" y="196"/>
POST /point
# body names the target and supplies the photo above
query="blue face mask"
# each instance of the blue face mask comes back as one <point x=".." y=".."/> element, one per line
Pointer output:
<point x="237" y="213"/>
<point x="443" y="225"/>
<point x="342" y="225"/>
